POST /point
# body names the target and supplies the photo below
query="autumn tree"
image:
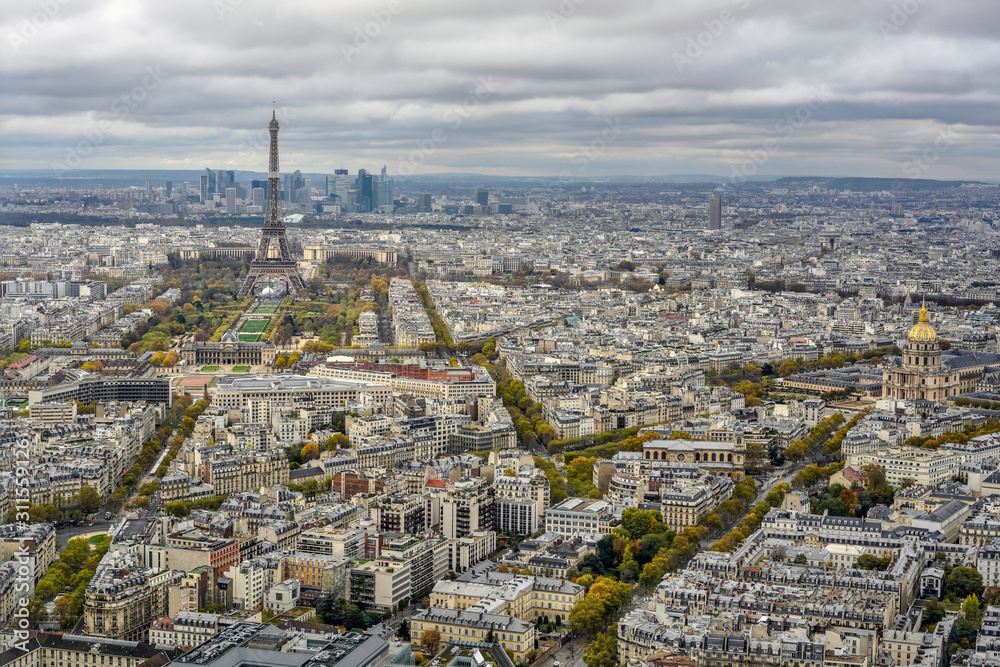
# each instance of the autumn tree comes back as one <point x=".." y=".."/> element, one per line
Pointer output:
<point x="309" y="452"/>
<point x="788" y="368"/>
<point x="337" y="440"/>
<point x="431" y="638"/>
<point x="88" y="499"/>
<point x="796" y="451"/>
<point x="587" y="616"/>
<point x="603" y="651"/>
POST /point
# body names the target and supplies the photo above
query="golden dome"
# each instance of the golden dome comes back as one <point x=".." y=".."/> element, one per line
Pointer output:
<point x="922" y="331"/>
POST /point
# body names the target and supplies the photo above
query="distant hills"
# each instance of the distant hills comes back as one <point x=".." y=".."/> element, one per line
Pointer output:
<point x="869" y="184"/>
<point x="138" y="177"/>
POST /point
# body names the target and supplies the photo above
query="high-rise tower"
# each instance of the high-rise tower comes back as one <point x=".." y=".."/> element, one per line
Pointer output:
<point x="715" y="213"/>
<point x="283" y="266"/>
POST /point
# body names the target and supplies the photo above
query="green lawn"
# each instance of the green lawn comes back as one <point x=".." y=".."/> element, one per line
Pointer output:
<point x="254" y="326"/>
<point x="241" y="369"/>
<point x="249" y="337"/>
<point x="209" y="369"/>
<point x="98" y="539"/>
<point x="269" y="308"/>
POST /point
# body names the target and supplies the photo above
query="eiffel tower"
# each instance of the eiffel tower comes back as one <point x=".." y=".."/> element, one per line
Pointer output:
<point x="262" y="267"/>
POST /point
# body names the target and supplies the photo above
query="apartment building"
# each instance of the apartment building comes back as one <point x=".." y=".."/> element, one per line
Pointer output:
<point x="37" y="540"/>
<point x="465" y="552"/>
<point x="922" y="467"/>
<point x="512" y="633"/>
<point x="579" y="515"/>
<point x="684" y="501"/>
<point x="406" y="569"/>
<point x="250" y="579"/>
<point x="186" y="628"/>
<point x="432" y="434"/>
<point x="467" y="506"/>
<point x="351" y="543"/>
<point x="398" y="513"/>
<point x="124" y="598"/>
<point x="246" y="470"/>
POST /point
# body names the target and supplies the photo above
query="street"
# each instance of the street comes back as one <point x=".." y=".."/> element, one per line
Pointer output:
<point x="570" y="655"/>
<point x="64" y="535"/>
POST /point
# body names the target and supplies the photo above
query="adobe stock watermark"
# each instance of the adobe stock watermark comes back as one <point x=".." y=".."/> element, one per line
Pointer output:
<point x="27" y="28"/>
<point x="916" y="167"/>
<point x="899" y="17"/>
<point x="224" y="7"/>
<point x="122" y="106"/>
<point x="715" y="28"/>
<point x="259" y="142"/>
<point x="565" y="9"/>
<point x="454" y="117"/>
<point x="364" y="34"/>
<point x="598" y="146"/>
<point x="23" y="579"/>
<point x="785" y="128"/>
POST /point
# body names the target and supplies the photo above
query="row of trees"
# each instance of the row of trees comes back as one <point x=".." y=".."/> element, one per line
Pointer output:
<point x="86" y="501"/>
<point x="524" y="412"/>
<point x="183" y="508"/>
<point x="182" y="416"/>
<point x="969" y="432"/>
<point x="832" y="448"/>
<point x="440" y="329"/>
<point x="74" y="570"/>
<point x="813" y="474"/>
<point x="642" y="549"/>
<point x="744" y="493"/>
<point x="818" y="435"/>
<point x="630" y="443"/>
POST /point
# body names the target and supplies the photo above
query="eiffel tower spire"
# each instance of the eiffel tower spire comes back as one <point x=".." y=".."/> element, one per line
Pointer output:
<point x="283" y="266"/>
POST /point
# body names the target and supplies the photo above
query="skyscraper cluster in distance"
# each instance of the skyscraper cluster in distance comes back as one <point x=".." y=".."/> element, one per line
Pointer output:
<point x="338" y="193"/>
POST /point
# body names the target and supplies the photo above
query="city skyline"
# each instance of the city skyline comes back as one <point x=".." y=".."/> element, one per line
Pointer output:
<point x="733" y="89"/>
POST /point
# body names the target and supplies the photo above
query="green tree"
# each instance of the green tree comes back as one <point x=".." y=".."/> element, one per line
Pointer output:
<point x="933" y="610"/>
<point x="712" y="521"/>
<point x="75" y="554"/>
<point x="962" y="582"/>
<point x="149" y="488"/>
<point x="337" y="440"/>
<point x="638" y="522"/>
<point x="354" y="617"/>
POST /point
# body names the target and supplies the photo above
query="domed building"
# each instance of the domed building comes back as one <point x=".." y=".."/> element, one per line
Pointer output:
<point x="921" y="374"/>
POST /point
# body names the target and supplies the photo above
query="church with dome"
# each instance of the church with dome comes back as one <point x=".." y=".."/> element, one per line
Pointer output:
<point x="926" y="373"/>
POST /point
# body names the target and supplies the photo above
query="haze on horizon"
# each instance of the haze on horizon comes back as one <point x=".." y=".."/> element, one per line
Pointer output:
<point x="882" y="88"/>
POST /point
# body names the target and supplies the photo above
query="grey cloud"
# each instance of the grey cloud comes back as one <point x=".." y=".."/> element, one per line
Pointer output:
<point x="559" y="76"/>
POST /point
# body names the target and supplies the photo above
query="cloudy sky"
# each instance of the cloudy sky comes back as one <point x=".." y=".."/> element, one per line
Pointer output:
<point x="891" y="88"/>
